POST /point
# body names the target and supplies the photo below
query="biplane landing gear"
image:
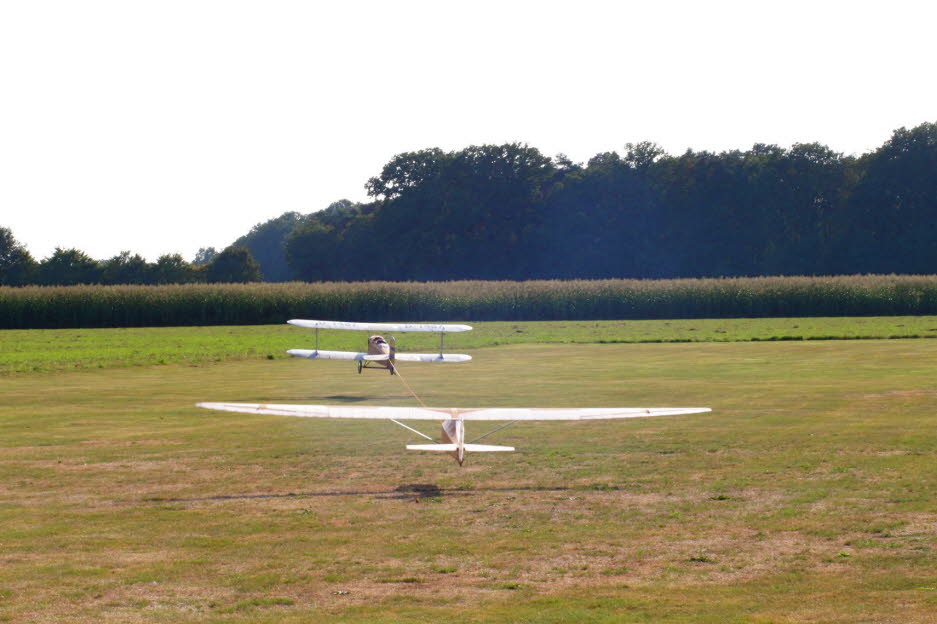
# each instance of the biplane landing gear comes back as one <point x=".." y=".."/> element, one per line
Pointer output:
<point x="360" y="366"/>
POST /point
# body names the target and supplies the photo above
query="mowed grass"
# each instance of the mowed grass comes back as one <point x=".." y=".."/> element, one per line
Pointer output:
<point x="70" y="349"/>
<point x="808" y="494"/>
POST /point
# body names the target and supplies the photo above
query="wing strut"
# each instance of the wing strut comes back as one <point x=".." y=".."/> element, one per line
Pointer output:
<point x="419" y="433"/>
<point x="490" y="432"/>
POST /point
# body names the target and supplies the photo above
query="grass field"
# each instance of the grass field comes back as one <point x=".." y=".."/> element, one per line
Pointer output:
<point x="807" y="495"/>
<point x="70" y="349"/>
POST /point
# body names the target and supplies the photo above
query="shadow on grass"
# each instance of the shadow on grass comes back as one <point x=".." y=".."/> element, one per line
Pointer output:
<point x="317" y="400"/>
<point x="410" y="491"/>
<point x="347" y="398"/>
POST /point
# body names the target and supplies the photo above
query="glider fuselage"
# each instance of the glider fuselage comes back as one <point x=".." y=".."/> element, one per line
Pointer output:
<point x="453" y="432"/>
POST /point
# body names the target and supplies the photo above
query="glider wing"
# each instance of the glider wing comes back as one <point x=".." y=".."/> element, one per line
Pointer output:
<point x="577" y="413"/>
<point x="442" y="413"/>
<point x="331" y="411"/>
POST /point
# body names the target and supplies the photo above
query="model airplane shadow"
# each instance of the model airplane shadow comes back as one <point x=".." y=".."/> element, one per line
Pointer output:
<point x="409" y="491"/>
<point x="352" y="398"/>
<point x="338" y="398"/>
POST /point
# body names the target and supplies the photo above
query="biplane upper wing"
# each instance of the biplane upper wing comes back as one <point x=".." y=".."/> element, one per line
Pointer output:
<point x="380" y="327"/>
<point x="443" y="413"/>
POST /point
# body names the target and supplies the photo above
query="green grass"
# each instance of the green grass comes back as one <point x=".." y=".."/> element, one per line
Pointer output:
<point x="69" y="349"/>
<point x="806" y="495"/>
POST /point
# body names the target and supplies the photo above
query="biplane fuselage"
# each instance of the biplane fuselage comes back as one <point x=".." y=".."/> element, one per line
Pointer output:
<point x="377" y="345"/>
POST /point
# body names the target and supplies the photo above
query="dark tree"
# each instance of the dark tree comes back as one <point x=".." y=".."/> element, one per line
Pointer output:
<point x="466" y="214"/>
<point x="126" y="269"/>
<point x="893" y="212"/>
<point x="66" y="267"/>
<point x="234" y="264"/>
<point x="312" y="248"/>
<point x="172" y="269"/>
<point x="204" y="256"/>
<point x="599" y="222"/>
<point x="642" y="155"/>
<point x="17" y="266"/>
<point x="407" y="172"/>
<point x="267" y="243"/>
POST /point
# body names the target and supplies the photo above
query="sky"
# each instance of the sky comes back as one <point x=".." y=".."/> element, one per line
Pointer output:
<point x="165" y="126"/>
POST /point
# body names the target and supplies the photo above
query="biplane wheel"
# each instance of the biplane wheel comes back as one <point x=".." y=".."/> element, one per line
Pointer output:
<point x="360" y="366"/>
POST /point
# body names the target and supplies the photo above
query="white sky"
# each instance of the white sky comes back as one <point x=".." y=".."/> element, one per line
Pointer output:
<point x="164" y="126"/>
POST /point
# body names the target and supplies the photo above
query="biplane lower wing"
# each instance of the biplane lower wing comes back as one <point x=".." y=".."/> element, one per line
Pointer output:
<point x="318" y="354"/>
<point x="432" y="357"/>
<point x="445" y="413"/>
<point x="314" y="354"/>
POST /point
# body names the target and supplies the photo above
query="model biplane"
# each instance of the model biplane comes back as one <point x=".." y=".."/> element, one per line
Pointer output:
<point x="382" y="352"/>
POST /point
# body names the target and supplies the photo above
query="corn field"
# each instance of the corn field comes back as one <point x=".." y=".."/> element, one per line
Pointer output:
<point x="260" y="303"/>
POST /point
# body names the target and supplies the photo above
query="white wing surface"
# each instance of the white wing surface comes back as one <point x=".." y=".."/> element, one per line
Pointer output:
<point x="448" y="448"/>
<point x="432" y="357"/>
<point x="578" y="413"/>
<point x="403" y="357"/>
<point x="380" y="327"/>
<point x="443" y="413"/>
<point x="330" y="355"/>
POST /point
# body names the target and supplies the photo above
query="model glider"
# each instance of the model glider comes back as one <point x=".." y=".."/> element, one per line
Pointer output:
<point x="453" y="419"/>
<point x="381" y="353"/>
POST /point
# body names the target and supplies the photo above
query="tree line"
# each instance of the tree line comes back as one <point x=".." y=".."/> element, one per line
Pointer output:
<point x="67" y="267"/>
<point x="510" y="212"/>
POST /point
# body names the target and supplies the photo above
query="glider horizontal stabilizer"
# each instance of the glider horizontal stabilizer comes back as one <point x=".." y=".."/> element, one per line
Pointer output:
<point x="487" y="448"/>
<point x="475" y="448"/>
<point x="432" y="447"/>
